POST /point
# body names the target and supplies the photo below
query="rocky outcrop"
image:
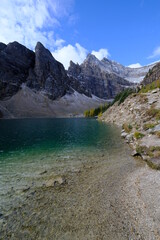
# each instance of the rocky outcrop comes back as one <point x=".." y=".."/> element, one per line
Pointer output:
<point x="152" y="75"/>
<point x="48" y="75"/>
<point x="15" y="62"/>
<point x="96" y="80"/>
<point x="139" y="116"/>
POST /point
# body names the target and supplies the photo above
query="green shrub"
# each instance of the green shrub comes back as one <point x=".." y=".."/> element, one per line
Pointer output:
<point x="144" y="150"/>
<point x="101" y="109"/>
<point x="153" y="165"/>
<point x="97" y="111"/>
<point x="158" y="134"/>
<point x="100" y="115"/>
<point x="138" y="135"/>
<point x="150" y="86"/>
<point x="148" y="126"/>
<point x="153" y="112"/>
<point x="120" y="97"/>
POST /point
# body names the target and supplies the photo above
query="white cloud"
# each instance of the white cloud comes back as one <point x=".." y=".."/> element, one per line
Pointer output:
<point x="135" y="65"/>
<point x="75" y="53"/>
<point x="29" y="21"/>
<point x="101" y="53"/>
<point x="155" y="53"/>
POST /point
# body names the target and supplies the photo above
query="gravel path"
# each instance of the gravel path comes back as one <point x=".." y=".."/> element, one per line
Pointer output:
<point x="142" y="200"/>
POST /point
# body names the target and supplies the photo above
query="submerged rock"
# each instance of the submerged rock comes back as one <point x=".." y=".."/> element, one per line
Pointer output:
<point x="26" y="189"/>
<point x="41" y="173"/>
<point x="58" y="180"/>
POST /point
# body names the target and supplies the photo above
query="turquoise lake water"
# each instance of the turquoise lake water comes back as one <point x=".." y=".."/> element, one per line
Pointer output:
<point x="30" y="146"/>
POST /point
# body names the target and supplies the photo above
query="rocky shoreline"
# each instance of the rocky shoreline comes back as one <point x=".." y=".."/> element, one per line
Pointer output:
<point x="139" y="117"/>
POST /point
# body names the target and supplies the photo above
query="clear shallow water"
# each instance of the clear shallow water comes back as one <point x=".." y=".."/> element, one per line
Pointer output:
<point x="30" y="146"/>
<point x="93" y="159"/>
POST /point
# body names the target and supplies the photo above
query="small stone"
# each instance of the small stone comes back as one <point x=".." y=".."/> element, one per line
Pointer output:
<point x="135" y="154"/>
<point x="43" y="172"/>
<point x="124" y="134"/>
<point x="145" y="157"/>
<point x="129" y="137"/>
<point x="156" y="128"/>
<point x="56" y="180"/>
<point x="26" y="189"/>
<point x="155" y="90"/>
<point x="152" y="101"/>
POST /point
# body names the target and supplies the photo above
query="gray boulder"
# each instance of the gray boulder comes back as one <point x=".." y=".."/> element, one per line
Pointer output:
<point x="156" y="128"/>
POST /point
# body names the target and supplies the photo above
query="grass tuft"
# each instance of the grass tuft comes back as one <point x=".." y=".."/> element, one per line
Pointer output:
<point x="138" y="135"/>
<point x="127" y="127"/>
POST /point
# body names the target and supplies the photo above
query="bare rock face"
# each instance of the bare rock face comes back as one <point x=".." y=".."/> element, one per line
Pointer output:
<point x="131" y="74"/>
<point x="15" y="62"/>
<point x="152" y="75"/>
<point x="39" y="71"/>
<point x="48" y="74"/>
<point x="96" y="80"/>
<point x="2" y="46"/>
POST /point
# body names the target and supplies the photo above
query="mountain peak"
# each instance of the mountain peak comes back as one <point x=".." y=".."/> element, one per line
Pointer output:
<point x="39" y="45"/>
<point x="91" y="59"/>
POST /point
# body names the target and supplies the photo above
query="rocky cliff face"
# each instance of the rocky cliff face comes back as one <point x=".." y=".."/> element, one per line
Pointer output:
<point x="37" y="70"/>
<point x="152" y="75"/>
<point x="48" y="75"/>
<point x="15" y="62"/>
<point x="93" y="76"/>
<point x="134" y="75"/>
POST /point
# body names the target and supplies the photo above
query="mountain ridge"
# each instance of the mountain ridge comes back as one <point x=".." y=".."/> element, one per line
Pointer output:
<point x="131" y="74"/>
<point x="42" y="74"/>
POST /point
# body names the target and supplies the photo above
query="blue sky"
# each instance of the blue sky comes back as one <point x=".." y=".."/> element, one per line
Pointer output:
<point x="124" y="31"/>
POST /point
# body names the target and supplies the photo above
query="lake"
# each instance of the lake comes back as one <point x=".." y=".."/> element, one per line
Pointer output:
<point x="32" y="150"/>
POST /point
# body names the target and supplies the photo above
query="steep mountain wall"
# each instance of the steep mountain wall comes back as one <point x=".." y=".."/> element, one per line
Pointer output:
<point x="99" y="82"/>
<point x="152" y="75"/>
